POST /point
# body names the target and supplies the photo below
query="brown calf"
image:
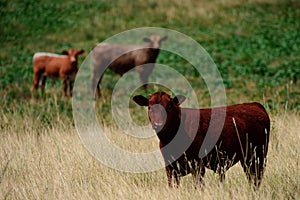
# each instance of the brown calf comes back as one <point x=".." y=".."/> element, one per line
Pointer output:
<point x="122" y="58"/>
<point x="243" y="138"/>
<point x="54" y="66"/>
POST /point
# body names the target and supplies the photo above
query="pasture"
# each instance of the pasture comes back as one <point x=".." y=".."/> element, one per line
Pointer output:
<point x="255" y="45"/>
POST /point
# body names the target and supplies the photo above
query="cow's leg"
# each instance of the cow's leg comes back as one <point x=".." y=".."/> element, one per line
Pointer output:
<point x="169" y="177"/>
<point x="254" y="166"/>
<point x="222" y="169"/>
<point x="36" y="80"/>
<point x="198" y="174"/>
<point x="145" y="83"/>
<point x="71" y="85"/>
<point x="65" y="86"/>
<point x="98" y="88"/>
<point x="176" y="179"/>
<point x="170" y="174"/>
<point x="222" y="164"/>
<point x="96" y="85"/>
<point x="222" y="174"/>
<point x="257" y="169"/>
<point x="145" y="73"/>
<point x="97" y="74"/>
<point x="43" y="83"/>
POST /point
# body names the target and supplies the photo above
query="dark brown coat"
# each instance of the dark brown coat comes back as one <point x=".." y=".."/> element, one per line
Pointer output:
<point x="244" y="137"/>
<point x="122" y="58"/>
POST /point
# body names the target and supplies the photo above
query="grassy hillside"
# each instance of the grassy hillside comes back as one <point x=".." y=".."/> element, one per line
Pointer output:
<point x="255" y="45"/>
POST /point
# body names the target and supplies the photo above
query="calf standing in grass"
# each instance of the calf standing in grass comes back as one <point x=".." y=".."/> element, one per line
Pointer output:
<point x="244" y="137"/>
<point x="122" y="58"/>
<point x="54" y="66"/>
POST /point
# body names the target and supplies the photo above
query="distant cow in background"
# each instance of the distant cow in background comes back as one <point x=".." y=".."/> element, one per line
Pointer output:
<point x="104" y="55"/>
<point x="244" y="137"/>
<point x="54" y="66"/>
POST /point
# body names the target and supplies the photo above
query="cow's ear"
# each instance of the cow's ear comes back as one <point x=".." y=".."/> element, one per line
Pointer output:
<point x="179" y="99"/>
<point x="80" y="52"/>
<point x="65" y="52"/>
<point x="141" y="100"/>
<point x="147" y="40"/>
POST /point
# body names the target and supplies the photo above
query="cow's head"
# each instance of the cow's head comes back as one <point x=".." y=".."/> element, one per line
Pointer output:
<point x="73" y="55"/>
<point x="155" y="41"/>
<point x="163" y="110"/>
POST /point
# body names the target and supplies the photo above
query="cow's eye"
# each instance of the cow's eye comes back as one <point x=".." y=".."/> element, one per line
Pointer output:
<point x="169" y="106"/>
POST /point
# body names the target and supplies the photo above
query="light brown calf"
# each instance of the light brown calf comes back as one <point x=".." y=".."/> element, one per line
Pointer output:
<point x="55" y="66"/>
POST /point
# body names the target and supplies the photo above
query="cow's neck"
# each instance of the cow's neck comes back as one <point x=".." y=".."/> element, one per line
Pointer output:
<point x="167" y="135"/>
<point x="153" y="52"/>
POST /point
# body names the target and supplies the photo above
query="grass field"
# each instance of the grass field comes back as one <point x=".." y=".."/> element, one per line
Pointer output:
<point x="255" y="45"/>
<point x="51" y="163"/>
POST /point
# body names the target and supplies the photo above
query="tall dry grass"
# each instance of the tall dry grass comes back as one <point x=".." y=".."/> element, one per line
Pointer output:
<point x="51" y="163"/>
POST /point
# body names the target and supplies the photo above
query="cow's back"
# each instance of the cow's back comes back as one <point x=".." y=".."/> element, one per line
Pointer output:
<point x="243" y="124"/>
<point x="251" y="120"/>
<point x="246" y="127"/>
<point x="49" y="62"/>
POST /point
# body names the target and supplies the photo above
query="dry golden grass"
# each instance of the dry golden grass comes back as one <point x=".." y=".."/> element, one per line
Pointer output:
<point x="51" y="163"/>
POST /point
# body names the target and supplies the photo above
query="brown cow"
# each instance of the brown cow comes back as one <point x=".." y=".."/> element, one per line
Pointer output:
<point x="54" y="66"/>
<point x="243" y="138"/>
<point x="122" y="58"/>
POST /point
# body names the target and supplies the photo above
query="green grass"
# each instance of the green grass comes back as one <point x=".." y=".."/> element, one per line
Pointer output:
<point x="255" y="45"/>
